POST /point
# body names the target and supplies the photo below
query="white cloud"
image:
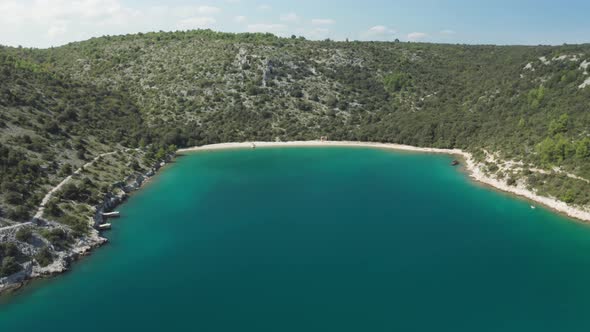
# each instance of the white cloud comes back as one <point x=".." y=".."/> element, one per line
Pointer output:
<point x="381" y="30"/>
<point x="195" y="23"/>
<point x="48" y="22"/>
<point x="322" y="21"/>
<point x="264" y="7"/>
<point x="58" y="9"/>
<point x="263" y="27"/>
<point x="240" y="19"/>
<point x="318" y="33"/>
<point x="190" y="11"/>
<point x="378" y="32"/>
<point x="413" y="36"/>
<point x="208" y="10"/>
<point x="290" y="17"/>
<point x="43" y="23"/>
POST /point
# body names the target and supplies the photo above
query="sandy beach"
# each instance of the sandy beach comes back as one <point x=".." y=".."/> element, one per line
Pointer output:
<point x="476" y="170"/>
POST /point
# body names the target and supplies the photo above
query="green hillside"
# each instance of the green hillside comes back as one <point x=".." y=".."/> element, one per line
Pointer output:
<point x="61" y="107"/>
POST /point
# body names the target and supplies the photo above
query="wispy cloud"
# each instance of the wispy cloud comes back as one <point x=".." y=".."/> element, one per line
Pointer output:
<point x="266" y="27"/>
<point x="323" y="21"/>
<point x="208" y="10"/>
<point x="290" y="17"/>
<point x="378" y="32"/>
<point x="414" y="36"/>
<point x="195" y="23"/>
<point x="44" y="23"/>
<point x="381" y="30"/>
<point x="447" y="32"/>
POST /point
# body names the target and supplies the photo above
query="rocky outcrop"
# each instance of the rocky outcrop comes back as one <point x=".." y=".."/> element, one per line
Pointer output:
<point x="133" y="182"/>
<point x="62" y="259"/>
<point x="16" y="281"/>
<point x="110" y="201"/>
<point x="267" y="72"/>
<point x="83" y="245"/>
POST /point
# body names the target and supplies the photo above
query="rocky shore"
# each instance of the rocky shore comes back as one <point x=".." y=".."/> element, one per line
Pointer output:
<point x="81" y="247"/>
<point x="85" y="244"/>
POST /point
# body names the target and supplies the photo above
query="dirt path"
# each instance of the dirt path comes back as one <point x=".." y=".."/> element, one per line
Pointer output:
<point x="49" y="195"/>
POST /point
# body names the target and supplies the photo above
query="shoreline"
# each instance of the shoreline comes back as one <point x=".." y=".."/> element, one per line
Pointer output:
<point x="85" y="245"/>
<point x="474" y="170"/>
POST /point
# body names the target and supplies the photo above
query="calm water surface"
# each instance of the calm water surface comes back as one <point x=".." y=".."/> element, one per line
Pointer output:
<point x="320" y="239"/>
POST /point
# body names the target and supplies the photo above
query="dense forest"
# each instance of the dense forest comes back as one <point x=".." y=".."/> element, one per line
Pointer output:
<point x="60" y="107"/>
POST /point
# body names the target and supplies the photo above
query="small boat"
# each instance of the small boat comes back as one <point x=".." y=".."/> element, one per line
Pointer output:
<point x="104" y="227"/>
<point x="113" y="214"/>
<point x="533" y="207"/>
<point x="455" y="163"/>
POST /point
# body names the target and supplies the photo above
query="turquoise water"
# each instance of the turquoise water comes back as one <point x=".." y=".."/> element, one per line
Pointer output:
<point x="320" y="239"/>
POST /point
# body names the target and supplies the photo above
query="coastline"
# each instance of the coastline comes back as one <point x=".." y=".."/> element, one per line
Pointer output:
<point x="86" y="245"/>
<point x="475" y="170"/>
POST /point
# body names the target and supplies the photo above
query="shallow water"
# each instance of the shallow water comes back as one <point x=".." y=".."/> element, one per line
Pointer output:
<point x="320" y="239"/>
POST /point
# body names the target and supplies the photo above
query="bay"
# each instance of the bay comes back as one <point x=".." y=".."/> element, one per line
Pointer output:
<point x="320" y="239"/>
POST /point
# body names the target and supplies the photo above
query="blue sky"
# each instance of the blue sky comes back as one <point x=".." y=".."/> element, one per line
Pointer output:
<point x="43" y="23"/>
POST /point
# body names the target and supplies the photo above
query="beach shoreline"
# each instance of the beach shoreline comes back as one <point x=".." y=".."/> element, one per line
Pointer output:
<point x="474" y="169"/>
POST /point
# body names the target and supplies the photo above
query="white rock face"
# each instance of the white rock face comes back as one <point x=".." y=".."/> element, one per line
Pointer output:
<point x="585" y="84"/>
<point x="584" y="66"/>
<point x="529" y="66"/>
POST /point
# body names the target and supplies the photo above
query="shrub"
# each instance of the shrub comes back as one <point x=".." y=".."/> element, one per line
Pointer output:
<point x="59" y="238"/>
<point x="21" y="213"/>
<point x="9" y="266"/>
<point x="24" y="234"/>
<point x="44" y="257"/>
<point x="511" y="181"/>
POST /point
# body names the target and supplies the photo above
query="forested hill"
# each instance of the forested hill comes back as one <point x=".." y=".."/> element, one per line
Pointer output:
<point x="66" y="104"/>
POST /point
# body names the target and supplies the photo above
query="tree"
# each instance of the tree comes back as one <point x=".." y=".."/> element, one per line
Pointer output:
<point x="569" y="196"/>
<point x="558" y="126"/>
<point x="583" y="148"/>
<point x="70" y="191"/>
<point x="536" y="96"/>
<point x="160" y="154"/>
<point x="396" y="82"/>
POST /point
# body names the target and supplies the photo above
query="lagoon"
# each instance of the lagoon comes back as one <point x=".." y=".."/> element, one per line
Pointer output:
<point x="320" y="239"/>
